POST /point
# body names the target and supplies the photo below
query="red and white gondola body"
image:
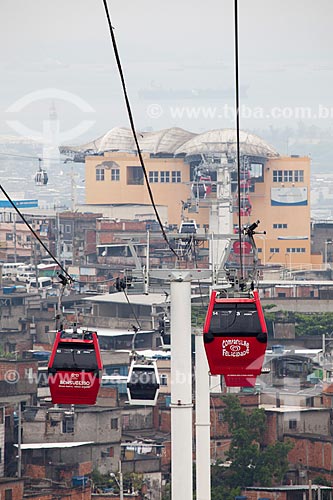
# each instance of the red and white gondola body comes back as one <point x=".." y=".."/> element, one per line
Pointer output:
<point x="235" y="338"/>
<point x="74" y="370"/>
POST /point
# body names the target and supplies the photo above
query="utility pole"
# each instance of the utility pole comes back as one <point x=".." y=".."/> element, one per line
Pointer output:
<point x="19" y="441"/>
<point x="202" y="421"/>
<point x="121" y="483"/>
<point x="181" y="378"/>
<point x="15" y="239"/>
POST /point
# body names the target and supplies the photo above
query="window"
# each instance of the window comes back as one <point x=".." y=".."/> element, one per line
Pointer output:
<point x="299" y="176"/>
<point x="68" y="424"/>
<point x="295" y="250"/>
<point x="165" y="176"/>
<point x="274" y="250"/>
<point x="220" y="416"/>
<point x="163" y="380"/>
<point x="115" y="174"/>
<point x="257" y="171"/>
<point x="287" y="176"/>
<point x="134" y="176"/>
<point x="234" y="319"/>
<point x="99" y="174"/>
<point x="67" y="228"/>
<point x="176" y="176"/>
<point x="9" y="494"/>
<point x="292" y="424"/>
<point x="153" y="176"/>
<point x="259" y="250"/>
<point x="114" y="423"/>
<point x="9" y="237"/>
<point x="280" y="226"/>
<point x="68" y="357"/>
<point x="277" y="176"/>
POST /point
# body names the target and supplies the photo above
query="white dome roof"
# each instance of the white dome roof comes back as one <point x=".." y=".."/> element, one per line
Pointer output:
<point x="161" y="141"/>
<point x="176" y="141"/>
<point x="224" y="141"/>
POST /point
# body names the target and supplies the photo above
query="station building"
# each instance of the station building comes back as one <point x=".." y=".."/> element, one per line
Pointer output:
<point x="182" y="169"/>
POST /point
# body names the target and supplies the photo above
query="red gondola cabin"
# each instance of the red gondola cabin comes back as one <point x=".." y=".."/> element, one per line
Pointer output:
<point x="235" y="339"/>
<point x="74" y="370"/>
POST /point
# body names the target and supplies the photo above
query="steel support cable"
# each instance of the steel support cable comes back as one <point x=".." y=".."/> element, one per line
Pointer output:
<point x="196" y="266"/>
<point x="237" y="138"/>
<point x="131" y="120"/>
<point x="132" y="310"/>
<point x="28" y="157"/>
<point x="69" y="277"/>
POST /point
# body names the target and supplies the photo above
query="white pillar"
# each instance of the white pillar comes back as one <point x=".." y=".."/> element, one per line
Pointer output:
<point x="202" y="421"/>
<point x="220" y="217"/>
<point x="181" y="391"/>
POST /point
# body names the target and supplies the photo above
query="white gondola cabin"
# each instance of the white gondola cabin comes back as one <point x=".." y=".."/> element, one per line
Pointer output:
<point x="143" y="384"/>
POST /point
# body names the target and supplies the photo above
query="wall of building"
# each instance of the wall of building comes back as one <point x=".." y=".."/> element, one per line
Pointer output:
<point x="121" y="191"/>
<point x="98" y="426"/>
<point x="13" y="485"/>
<point x="282" y="221"/>
<point x="288" y="174"/>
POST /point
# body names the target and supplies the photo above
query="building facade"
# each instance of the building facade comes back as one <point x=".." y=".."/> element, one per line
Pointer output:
<point x="274" y="190"/>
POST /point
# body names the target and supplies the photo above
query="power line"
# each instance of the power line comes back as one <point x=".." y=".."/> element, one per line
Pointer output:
<point x="131" y="120"/>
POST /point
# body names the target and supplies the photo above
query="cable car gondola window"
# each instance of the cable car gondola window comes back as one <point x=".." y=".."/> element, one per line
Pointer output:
<point x="143" y="384"/>
<point x="75" y="358"/>
<point x="235" y="319"/>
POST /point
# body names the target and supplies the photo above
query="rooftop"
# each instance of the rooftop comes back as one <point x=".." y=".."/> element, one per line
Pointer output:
<point x="177" y="141"/>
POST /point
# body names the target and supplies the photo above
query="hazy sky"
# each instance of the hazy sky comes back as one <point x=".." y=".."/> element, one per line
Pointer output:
<point x="178" y="60"/>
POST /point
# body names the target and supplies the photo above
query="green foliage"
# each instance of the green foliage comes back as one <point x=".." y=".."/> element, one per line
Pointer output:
<point x="252" y="463"/>
<point x="166" y="492"/>
<point x="320" y="480"/>
<point x="306" y="323"/>
<point x="198" y="313"/>
<point x="130" y="481"/>
<point x="7" y="355"/>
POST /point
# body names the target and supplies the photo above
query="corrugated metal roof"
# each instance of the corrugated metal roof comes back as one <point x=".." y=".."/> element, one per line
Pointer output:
<point x="120" y="298"/>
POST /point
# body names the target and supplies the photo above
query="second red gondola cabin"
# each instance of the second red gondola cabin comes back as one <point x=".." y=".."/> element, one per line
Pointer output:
<point x="74" y="370"/>
<point x="235" y="338"/>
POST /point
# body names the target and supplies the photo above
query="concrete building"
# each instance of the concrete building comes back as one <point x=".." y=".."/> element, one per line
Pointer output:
<point x="272" y="186"/>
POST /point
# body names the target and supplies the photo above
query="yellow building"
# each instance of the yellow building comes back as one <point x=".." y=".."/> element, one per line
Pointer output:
<point x="117" y="178"/>
<point x="278" y="191"/>
<point x="281" y="201"/>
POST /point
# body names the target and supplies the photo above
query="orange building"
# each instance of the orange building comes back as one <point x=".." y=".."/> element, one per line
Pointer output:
<point x="117" y="178"/>
<point x="277" y="190"/>
<point x="281" y="201"/>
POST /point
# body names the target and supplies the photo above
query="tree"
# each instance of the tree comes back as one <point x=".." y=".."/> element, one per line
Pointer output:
<point x="252" y="463"/>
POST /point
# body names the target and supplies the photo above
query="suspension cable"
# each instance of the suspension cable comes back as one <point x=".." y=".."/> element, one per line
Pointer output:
<point x="132" y="309"/>
<point x="131" y="120"/>
<point x="69" y="277"/>
<point x="237" y="138"/>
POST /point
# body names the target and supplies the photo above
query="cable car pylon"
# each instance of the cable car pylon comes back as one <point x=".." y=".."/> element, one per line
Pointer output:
<point x="181" y="377"/>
